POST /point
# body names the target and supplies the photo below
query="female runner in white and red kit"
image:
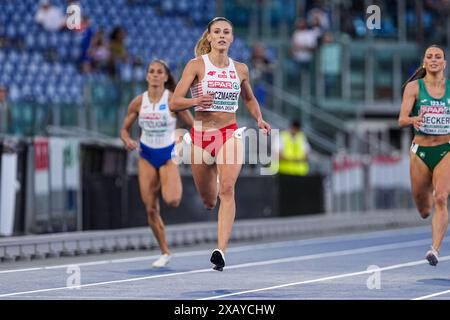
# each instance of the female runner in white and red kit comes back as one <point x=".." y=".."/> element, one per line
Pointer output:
<point x="216" y="82"/>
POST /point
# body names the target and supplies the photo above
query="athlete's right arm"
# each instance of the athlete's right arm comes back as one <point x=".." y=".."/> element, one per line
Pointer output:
<point x="132" y="114"/>
<point x="179" y="101"/>
<point x="409" y="97"/>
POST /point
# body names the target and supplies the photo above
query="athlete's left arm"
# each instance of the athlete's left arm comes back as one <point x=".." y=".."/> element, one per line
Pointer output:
<point x="249" y="98"/>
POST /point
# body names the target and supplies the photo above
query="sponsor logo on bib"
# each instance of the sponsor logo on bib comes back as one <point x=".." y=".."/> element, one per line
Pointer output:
<point x="151" y="116"/>
<point x="219" y="84"/>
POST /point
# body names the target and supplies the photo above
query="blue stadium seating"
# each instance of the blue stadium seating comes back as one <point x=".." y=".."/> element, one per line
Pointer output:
<point x="165" y="29"/>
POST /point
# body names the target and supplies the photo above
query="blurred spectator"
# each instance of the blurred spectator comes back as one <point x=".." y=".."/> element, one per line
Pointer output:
<point x="86" y="24"/>
<point x="99" y="52"/>
<point x="87" y="32"/>
<point x="318" y="18"/>
<point x="293" y="151"/>
<point x="4" y="111"/>
<point x="50" y="17"/>
<point x="304" y="43"/>
<point x="330" y="62"/>
<point x="261" y="72"/>
<point x="118" y="52"/>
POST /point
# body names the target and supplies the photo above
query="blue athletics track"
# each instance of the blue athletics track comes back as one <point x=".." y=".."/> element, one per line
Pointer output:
<point x="386" y="264"/>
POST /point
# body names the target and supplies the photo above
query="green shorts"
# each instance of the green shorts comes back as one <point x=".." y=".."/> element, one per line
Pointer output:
<point x="431" y="156"/>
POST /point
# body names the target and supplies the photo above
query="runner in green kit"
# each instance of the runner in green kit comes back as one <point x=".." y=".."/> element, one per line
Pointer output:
<point x="426" y="106"/>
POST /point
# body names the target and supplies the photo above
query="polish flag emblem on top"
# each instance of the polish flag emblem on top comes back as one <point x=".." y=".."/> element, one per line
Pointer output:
<point x="232" y="75"/>
<point x="223" y="74"/>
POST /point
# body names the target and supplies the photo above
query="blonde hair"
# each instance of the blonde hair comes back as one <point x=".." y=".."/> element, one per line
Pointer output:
<point x="203" y="46"/>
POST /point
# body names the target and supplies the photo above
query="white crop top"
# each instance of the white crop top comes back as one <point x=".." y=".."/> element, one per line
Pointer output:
<point x="156" y="121"/>
<point x="223" y="82"/>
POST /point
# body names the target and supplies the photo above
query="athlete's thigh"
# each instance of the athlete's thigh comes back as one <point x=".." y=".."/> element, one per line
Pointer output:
<point x="421" y="178"/>
<point x="171" y="187"/>
<point x="229" y="162"/>
<point x="205" y="175"/>
<point x="148" y="179"/>
<point x="441" y="175"/>
<point x="231" y="152"/>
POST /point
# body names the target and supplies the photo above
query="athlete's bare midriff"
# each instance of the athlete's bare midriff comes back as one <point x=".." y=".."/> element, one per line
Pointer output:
<point x="430" y="141"/>
<point x="214" y="120"/>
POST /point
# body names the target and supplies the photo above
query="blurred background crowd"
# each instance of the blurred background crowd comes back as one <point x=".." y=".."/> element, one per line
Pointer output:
<point x="313" y="62"/>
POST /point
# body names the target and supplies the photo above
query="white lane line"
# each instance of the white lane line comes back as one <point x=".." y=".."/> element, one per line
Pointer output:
<point x="371" y="235"/>
<point x="251" y="264"/>
<point x="108" y="282"/>
<point x="54" y="267"/>
<point x="93" y="263"/>
<point x="339" y="276"/>
<point x="393" y="246"/>
<point x="434" y="294"/>
<point x="20" y="270"/>
<point x="66" y="297"/>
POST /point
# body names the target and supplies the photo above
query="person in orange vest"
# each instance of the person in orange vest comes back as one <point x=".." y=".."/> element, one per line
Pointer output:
<point x="293" y="151"/>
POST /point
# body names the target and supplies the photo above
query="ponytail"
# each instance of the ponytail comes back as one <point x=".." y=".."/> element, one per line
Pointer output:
<point x="418" y="74"/>
<point x="203" y="46"/>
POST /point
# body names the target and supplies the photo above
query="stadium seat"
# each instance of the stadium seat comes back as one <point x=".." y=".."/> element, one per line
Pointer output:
<point x="149" y="36"/>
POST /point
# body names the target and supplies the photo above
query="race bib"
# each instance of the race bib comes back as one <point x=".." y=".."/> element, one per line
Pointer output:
<point x="436" y="120"/>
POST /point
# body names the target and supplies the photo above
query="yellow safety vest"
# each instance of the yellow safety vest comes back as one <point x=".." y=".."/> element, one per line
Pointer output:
<point x="293" y="148"/>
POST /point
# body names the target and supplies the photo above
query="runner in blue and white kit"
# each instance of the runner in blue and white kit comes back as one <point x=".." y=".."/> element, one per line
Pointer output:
<point x="157" y="143"/>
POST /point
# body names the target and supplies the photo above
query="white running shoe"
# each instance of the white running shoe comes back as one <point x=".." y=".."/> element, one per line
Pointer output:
<point x="432" y="257"/>
<point x="162" y="261"/>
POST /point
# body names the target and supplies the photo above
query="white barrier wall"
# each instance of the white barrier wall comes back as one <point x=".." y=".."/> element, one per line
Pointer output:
<point x="64" y="178"/>
<point x="361" y="182"/>
<point x="8" y="193"/>
<point x="347" y="174"/>
<point x="390" y="172"/>
<point x="384" y="172"/>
